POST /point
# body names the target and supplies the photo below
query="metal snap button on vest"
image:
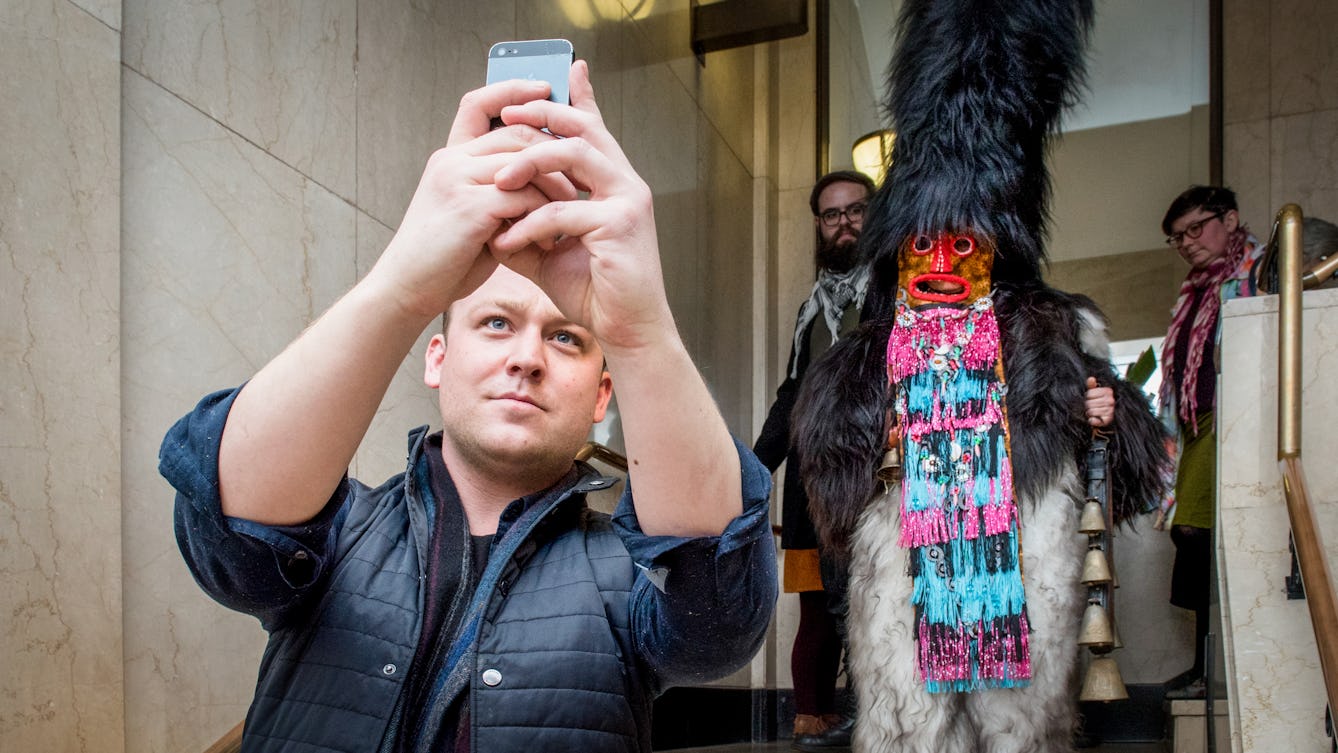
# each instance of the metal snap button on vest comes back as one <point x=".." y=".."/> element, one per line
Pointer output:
<point x="388" y="670"/>
<point x="492" y="677"/>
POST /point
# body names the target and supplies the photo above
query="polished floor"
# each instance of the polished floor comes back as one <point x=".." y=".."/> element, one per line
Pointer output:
<point x="783" y="746"/>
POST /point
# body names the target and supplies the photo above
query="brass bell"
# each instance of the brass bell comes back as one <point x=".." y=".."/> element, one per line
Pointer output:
<point x="1093" y="519"/>
<point x="1096" y="568"/>
<point x="1096" y="631"/>
<point x="889" y="471"/>
<point x="1103" y="681"/>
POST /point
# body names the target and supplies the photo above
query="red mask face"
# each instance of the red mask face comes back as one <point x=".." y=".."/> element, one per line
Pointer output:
<point x="951" y="267"/>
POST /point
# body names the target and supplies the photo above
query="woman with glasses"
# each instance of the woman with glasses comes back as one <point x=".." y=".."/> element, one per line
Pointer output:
<point x="1204" y="227"/>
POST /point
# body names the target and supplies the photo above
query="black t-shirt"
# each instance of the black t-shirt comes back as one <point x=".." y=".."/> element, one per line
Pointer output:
<point x="456" y="558"/>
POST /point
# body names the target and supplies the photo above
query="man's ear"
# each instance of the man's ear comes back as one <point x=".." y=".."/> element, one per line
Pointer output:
<point x="432" y="360"/>
<point x="602" y="399"/>
<point x="1231" y="219"/>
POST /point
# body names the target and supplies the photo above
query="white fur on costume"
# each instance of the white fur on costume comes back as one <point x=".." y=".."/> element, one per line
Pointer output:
<point x="896" y="713"/>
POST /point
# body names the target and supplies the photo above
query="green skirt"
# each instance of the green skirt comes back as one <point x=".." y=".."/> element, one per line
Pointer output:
<point x="1196" y="475"/>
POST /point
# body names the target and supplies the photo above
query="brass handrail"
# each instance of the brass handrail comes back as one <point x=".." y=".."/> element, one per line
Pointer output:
<point x="231" y="742"/>
<point x="596" y="451"/>
<point x="1305" y="532"/>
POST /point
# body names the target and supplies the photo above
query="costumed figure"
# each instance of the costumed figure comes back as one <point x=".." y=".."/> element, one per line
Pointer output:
<point x="964" y="590"/>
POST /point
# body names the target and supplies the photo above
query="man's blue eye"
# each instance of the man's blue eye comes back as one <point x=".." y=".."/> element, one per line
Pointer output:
<point x="565" y="338"/>
<point x="496" y="322"/>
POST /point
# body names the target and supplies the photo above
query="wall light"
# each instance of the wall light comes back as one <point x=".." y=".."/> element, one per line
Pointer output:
<point x="872" y="153"/>
<point x="590" y="14"/>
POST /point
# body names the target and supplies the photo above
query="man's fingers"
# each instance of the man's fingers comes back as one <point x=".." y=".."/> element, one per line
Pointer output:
<point x="556" y="186"/>
<point x="479" y="107"/>
<point x="583" y="165"/>
<point x="548" y="225"/>
<point x="582" y="93"/>
<point x="513" y="138"/>
<point x="508" y="208"/>
<point x="581" y="118"/>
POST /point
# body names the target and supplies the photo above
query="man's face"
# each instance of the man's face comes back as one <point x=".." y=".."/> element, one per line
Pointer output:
<point x="1201" y="236"/>
<point x="837" y="246"/>
<point x="519" y="384"/>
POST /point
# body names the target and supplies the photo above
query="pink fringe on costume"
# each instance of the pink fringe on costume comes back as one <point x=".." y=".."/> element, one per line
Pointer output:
<point x="940" y="421"/>
<point x="946" y="653"/>
<point x="977" y="331"/>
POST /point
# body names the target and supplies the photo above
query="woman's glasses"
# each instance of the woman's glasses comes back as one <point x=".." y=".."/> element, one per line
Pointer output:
<point x="1191" y="231"/>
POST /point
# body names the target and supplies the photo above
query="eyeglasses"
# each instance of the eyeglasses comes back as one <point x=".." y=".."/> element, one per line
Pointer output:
<point x="1191" y="231"/>
<point x="853" y="212"/>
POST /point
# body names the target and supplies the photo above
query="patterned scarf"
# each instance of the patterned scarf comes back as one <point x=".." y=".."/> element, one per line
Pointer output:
<point x="958" y="515"/>
<point x="1204" y="327"/>
<point x="833" y="293"/>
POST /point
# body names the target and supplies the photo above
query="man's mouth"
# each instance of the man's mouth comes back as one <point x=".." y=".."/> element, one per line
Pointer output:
<point x="940" y="288"/>
<point x="519" y="398"/>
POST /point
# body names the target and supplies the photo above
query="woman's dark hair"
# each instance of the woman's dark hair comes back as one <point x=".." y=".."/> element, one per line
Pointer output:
<point x="1214" y="199"/>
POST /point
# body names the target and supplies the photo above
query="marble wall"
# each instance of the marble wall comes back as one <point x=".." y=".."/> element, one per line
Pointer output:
<point x="60" y="383"/>
<point x="1275" y="690"/>
<point x="1280" y="107"/>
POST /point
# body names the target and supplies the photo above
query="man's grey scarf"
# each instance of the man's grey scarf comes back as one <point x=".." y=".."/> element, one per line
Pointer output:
<point x="833" y="293"/>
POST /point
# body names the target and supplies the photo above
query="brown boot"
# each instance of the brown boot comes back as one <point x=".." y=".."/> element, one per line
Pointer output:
<point x="807" y="724"/>
<point x="835" y="738"/>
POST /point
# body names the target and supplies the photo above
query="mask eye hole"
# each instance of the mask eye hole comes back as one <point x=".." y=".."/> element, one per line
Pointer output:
<point x="922" y="245"/>
<point x="963" y="246"/>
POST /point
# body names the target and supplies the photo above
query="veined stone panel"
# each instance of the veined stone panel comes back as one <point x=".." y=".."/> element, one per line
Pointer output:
<point x="281" y="75"/>
<point x="415" y="61"/>
<point x="60" y="459"/>
<point x="228" y="253"/>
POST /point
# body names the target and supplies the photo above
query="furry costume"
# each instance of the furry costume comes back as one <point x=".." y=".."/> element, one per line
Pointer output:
<point x="974" y="93"/>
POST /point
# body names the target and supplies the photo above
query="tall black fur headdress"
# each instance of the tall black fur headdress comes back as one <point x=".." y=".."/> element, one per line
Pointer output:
<point x="974" y="95"/>
<point x="975" y="91"/>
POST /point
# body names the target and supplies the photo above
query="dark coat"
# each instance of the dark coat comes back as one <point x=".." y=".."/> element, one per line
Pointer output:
<point x="774" y="443"/>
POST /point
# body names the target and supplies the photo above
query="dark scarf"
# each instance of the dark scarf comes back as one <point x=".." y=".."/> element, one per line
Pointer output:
<point x="451" y="580"/>
<point x="1202" y="330"/>
<point x="832" y="294"/>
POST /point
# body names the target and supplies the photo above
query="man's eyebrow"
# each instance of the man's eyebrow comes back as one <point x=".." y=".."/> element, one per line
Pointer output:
<point x="506" y="305"/>
<point x="517" y="307"/>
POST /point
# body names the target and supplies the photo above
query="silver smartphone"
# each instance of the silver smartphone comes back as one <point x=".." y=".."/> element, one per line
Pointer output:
<point x="534" y="60"/>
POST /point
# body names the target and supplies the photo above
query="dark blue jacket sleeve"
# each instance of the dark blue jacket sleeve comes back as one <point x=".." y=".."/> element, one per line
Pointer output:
<point x="265" y="571"/>
<point x="701" y="606"/>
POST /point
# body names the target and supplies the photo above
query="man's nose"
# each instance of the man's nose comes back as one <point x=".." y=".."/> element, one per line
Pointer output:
<point x="526" y="358"/>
